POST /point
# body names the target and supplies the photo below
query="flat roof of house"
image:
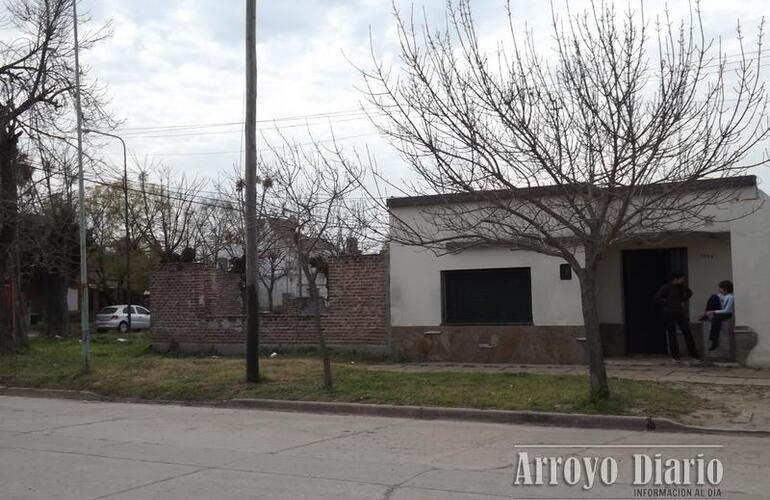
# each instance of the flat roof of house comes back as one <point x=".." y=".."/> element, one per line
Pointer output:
<point x="743" y="181"/>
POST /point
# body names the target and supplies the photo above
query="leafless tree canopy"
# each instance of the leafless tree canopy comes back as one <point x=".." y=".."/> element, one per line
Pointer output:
<point x="36" y="86"/>
<point x="37" y="68"/>
<point x="165" y="212"/>
<point x="622" y="118"/>
<point x="619" y="121"/>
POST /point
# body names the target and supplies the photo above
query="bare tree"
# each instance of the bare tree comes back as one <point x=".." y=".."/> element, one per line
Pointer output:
<point x="213" y="233"/>
<point x="36" y="83"/>
<point x="274" y="260"/>
<point x="223" y="226"/>
<point x="48" y="232"/>
<point x="48" y="229"/>
<point x="570" y="153"/>
<point x="224" y="229"/>
<point x="165" y="214"/>
<point x="104" y="207"/>
<point x="314" y="190"/>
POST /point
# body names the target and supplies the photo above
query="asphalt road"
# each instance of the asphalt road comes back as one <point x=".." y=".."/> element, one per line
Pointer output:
<point x="58" y="449"/>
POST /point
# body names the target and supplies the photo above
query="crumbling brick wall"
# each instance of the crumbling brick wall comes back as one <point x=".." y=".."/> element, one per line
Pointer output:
<point x="357" y="304"/>
<point x="198" y="307"/>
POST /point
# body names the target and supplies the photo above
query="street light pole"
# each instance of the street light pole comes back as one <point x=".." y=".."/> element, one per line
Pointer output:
<point x="125" y="213"/>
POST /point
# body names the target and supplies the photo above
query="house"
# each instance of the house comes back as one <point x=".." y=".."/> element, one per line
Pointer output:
<point x="279" y="268"/>
<point x="502" y="303"/>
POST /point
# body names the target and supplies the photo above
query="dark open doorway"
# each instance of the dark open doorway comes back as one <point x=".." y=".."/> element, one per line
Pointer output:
<point x="644" y="271"/>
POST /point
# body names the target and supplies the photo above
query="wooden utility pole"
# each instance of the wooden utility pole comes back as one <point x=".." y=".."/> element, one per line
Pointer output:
<point x="252" y="298"/>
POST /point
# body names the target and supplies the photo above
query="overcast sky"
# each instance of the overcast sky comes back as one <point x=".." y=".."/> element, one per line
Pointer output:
<point x="180" y="63"/>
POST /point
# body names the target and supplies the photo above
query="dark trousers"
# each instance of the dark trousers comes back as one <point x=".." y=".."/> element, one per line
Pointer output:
<point x="716" y="326"/>
<point x="674" y="319"/>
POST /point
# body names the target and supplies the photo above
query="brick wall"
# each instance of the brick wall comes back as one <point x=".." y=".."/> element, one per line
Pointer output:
<point x="197" y="306"/>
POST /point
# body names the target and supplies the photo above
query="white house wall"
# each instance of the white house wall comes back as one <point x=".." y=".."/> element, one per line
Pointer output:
<point x="415" y="284"/>
<point x="415" y="287"/>
<point x="751" y="269"/>
<point x="290" y="284"/>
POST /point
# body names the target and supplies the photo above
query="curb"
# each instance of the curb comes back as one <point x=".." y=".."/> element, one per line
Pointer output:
<point x="28" y="392"/>
<point x="575" y="420"/>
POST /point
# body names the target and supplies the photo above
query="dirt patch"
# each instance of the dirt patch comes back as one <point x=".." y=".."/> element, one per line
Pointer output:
<point x="729" y="406"/>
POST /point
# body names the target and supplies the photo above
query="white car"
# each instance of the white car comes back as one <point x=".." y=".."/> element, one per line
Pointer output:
<point x="116" y="318"/>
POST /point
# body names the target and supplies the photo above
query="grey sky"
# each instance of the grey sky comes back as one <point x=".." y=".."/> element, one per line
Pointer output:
<point x="180" y="62"/>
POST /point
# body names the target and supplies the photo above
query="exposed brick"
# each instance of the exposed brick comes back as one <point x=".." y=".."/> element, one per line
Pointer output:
<point x="198" y="304"/>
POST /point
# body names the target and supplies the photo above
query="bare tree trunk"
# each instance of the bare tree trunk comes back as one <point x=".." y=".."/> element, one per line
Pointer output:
<point x="7" y="341"/>
<point x="56" y="314"/>
<point x="8" y="218"/>
<point x="588" y="289"/>
<point x="270" y="296"/>
<point x="20" y="318"/>
<point x="315" y="298"/>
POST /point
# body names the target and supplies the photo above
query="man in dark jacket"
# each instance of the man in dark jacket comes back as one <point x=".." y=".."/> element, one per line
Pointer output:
<point x="673" y="296"/>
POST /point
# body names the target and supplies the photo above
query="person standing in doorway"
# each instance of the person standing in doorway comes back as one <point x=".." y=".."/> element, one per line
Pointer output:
<point x="673" y="296"/>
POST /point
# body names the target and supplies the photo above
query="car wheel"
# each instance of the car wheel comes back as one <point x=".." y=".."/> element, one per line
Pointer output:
<point x="123" y="327"/>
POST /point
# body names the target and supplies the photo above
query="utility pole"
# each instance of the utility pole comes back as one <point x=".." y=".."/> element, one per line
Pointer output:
<point x="252" y="298"/>
<point x="84" y="316"/>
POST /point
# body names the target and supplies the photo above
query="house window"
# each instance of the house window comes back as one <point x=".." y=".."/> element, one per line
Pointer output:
<point x="476" y="296"/>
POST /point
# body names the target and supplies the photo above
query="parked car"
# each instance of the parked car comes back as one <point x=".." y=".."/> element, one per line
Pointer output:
<point x="116" y="318"/>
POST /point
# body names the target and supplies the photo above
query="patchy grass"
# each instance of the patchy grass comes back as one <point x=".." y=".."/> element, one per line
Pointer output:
<point x="130" y="370"/>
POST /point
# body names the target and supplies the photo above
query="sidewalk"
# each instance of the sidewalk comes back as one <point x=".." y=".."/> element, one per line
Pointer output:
<point x="657" y="370"/>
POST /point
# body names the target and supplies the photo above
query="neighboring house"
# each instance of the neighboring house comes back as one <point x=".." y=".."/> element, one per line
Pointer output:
<point x="503" y="304"/>
<point x="278" y="262"/>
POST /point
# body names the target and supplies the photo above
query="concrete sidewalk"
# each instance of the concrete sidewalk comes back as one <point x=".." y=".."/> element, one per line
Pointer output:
<point x="647" y="369"/>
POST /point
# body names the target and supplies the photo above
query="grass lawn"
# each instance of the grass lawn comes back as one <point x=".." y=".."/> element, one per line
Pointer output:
<point x="129" y="370"/>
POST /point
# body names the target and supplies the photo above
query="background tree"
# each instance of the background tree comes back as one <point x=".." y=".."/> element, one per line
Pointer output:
<point x="274" y="257"/>
<point x="165" y="213"/>
<point x="104" y="207"/>
<point x="620" y="121"/>
<point x="225" y="229"/>
<point x="211" y="227"/>
<point x="36" y="83"/>
<point x="107" y="243"/>
<point x="48" y="232"/>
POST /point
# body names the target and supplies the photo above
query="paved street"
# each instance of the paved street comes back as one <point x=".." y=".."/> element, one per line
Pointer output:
<point x="86" y="450"/>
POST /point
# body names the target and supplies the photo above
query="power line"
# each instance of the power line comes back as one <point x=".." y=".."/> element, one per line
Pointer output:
<point x="261" y="150"/>
<point x="334" y="117"/>
<point x="718" y="60"/>
<point x="334" y="114"/>
<point x="168" y="193"/>
<point x="263" y="129"/>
